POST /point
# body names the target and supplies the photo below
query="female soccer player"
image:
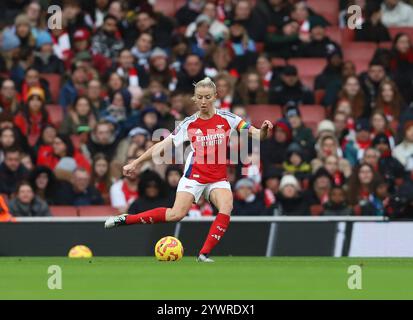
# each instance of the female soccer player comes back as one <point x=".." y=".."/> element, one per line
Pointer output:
<point x="208" y="132"/>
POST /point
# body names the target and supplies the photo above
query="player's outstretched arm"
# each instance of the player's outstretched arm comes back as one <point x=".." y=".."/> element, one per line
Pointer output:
<point x="147" y="155"/>
<point x="260" y="133"/>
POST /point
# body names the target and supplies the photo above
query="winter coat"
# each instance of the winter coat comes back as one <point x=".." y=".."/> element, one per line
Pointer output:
<point x="37" y="208"/>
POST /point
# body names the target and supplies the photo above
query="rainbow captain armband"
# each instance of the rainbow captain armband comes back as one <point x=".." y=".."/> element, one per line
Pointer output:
<point x="243" y="125"/>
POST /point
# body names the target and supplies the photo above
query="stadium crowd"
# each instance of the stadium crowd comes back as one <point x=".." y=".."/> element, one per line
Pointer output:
<point x="79" y="102"/>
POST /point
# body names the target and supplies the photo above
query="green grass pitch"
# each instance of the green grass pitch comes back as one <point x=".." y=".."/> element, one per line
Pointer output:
<point x="227" y="278"/>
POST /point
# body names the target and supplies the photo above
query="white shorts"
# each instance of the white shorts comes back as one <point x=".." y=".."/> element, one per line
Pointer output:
<point x="197" y="189"/>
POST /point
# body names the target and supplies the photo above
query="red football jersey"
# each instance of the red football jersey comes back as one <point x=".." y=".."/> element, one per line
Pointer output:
<point x="207" y="161"/>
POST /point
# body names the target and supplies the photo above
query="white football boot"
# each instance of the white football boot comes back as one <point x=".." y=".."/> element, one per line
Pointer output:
<point x="115" y="221"/>
<point x="204" y="258"/>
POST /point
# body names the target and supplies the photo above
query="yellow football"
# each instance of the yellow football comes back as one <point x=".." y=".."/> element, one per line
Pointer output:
<point x="169" y="249"/>
<point x="80" y="251"/>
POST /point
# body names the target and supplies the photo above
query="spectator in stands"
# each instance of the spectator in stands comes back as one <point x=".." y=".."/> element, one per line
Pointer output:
<point x="396" y="13"/>
<point x="44" y="184"/>
<point x="12" y="171"/>
<point x="290" y="89"/>
<point x="132" y="74"/>
<point x="45" y="142"/>
<point x="125" y="191"/>
<point x="63" y="158"/>
<point x="94" y="93"/>
<point x="32" y="79"/>
<point x="250" y="90"/>
<point x="269" y="75"/>
<point x="296" y="163"/>
<point x="143" y="49"/>
<point x="331" y="165"/>
<point x="372" y="29"/>
<point x="353" y="93"/>
<point x="404" y="150"/>
<point x="80" y="114"/>
<point x="151" y="190"/>
<point x="45" y="60"/>
<point x="271" y="184"/>
<point x="159" y="68"/>
<point x="361" y="185"/>
<point x="246" y="201"/>
<point x="82" y="48"/>
<point x="380" y="125"/>
<point x="342" y="124"/>
<point x="27" y="203"/>
<point x="5" y="215"/>
<point x="9" y="98"/>
<point x="273" y="149"/>
<point x="332" y="72"/>
<point x="33" y="116"/>
<point x="107" y="40"/>
<point x="370" y="82"/>
<point x="101" y="177"/>
<point x="320" y="45"/>
<point x="201" y="40"/>
<point x="301" y="134"/>
<point x="320" y="185"/>
<point x="191" y="73"/>
<point x="118" y="110"/>
<point x="103" y="139"/>
<point x="290" y="200"/>
<point x="354" y="149"/>
<point x="217" y="29"/>
<point x="389" y="167"/>
<point x="401" y="65"/>
<point x="160" y="102"/>
<point x="8" y="139"/>
<point x="225" y="91"/>
<point x="371" y="156"/>
<point x="74" y="87"/>
<point x="272" y="13"/>
<point x="79" y="192"/>
<point x="390" y="102"/>
<point x="188" y="13"/>
<point x="158" y="25"/>
<point x="172" y="175"/>
<point x="284" y="41"/>
<point x="23" y="30"/>
<point x="337" y="204"/>
<point x="242" y="47"/>
<point x="326" y="145"/>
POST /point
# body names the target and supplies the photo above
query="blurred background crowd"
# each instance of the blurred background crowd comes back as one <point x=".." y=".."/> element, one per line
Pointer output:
<point x="79" y="102"/>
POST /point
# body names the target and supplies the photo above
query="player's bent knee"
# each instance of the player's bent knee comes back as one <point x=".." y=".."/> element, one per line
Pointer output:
<point x="176" y="215"/>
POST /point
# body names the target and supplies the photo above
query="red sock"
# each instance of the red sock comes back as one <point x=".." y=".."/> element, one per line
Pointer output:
<point x="216" y="232"/>
<point x="156" y="215"/>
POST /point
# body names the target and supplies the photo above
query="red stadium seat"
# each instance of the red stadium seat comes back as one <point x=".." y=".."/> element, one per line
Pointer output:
<point x="334" y="33"/>
<point x="312" y="115"/>
<point x="278" y="62"/>
<point x="259" y="113"/>
<point x="347" y="35"/>
<point x="56" y="114"/>
<point x="54" y="81"/>
<point x="63" y="211"/>
<point x="326" y="8"/>
<point x="395" y="30"/>
<point x="361" y="65"/>
<point x="360" y="51"/>
<point x="168" y="7"/>
<point x="308" y="81"/>
<point x="97" y="211"/>
<point x="308" y="66"/>
<point x="386" y="45"/>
